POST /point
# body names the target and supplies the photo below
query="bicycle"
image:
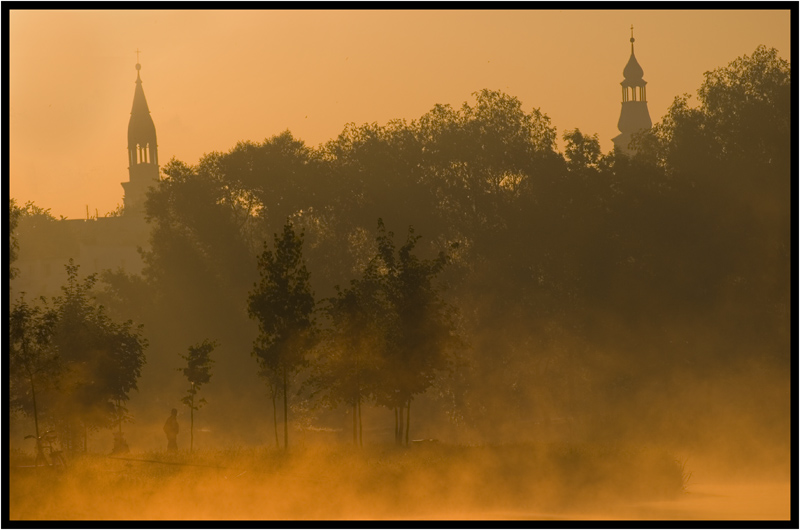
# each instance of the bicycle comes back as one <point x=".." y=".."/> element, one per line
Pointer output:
<point x="46" y="441"/>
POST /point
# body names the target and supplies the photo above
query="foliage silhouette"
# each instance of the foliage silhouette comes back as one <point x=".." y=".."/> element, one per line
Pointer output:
<point x="584" y="280"/>
<point x="14" y="213"/>
<point x="420" y="331"/>
<point x="102" y="361"/>
<point x="33" y="358"/>
<point x="283" y="305"/>
<point x="348" y="363"/>
<point x="198" y="373"/>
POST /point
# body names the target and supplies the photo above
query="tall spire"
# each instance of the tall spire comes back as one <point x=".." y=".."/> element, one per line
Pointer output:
<point x="634" y="116"/>
<point x="140" y="108"/>
<point x="142" y="148"/>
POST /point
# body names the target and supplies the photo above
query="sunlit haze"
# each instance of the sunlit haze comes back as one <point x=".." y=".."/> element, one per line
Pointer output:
<point x="213" y="78"/>
<point x="409" y="264"/>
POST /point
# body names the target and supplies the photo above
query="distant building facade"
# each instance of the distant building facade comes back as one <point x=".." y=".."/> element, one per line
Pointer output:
<point x="634" y="116"/>
<point x="96" y="243"/>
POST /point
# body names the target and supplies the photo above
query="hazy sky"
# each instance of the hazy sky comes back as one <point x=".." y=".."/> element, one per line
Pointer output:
<point x="213" y="78"/>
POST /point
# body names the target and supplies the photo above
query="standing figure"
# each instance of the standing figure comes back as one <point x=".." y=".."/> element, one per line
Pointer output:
<point x="171" y="430"/>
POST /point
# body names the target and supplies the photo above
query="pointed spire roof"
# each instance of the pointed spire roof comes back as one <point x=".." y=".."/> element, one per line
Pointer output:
<point x="139" y="101"/>
<point x="632" y="72"/>
<point x="141" y="129"/>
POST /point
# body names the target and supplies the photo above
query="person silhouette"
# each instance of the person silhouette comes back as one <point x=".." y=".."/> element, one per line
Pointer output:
<point x="171" y="430"/>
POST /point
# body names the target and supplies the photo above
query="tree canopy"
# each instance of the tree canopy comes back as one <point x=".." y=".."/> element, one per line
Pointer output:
<point x="283" y="304"/>
<point x="578" y="275"/>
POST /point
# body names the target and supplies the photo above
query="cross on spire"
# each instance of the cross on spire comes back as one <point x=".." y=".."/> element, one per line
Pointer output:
<point x="137" y="50"/>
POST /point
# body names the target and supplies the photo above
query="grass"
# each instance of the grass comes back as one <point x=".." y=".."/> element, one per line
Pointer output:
<point x="435" y="481"/>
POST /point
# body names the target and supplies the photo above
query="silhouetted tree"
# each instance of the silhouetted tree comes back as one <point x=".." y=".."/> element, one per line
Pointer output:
<point x="35" y="227"/>
<point x="33" y="357"/>
<point x="581" y="151"/>
<point x="199" y="259"/>
<point x="348" y="367"/>
<point x="14" y="213"/>
<point x="747" y="104"/>
<point x="198" y="373"/>
<point x="283" y="305"/>
<point x="102" y="359"/>
<point x="209" y="221"/>
<point x="694" y="227"/>
<point x="378" y="172"/>
<point x="720" y="211"/>
<point x="478" y="159"/>
<point x="421" y="327"/>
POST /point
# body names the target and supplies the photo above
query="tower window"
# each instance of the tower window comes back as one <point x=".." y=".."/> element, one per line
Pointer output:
<point x="142" y="155"/>
<point x="632" y="93"/>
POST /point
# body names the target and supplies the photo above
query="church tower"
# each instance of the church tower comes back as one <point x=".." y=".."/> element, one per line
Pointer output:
<point x="634" y="116"/>
<point x="142" y="152"/>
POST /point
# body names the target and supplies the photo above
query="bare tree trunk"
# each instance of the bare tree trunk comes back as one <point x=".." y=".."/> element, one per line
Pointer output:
<point x="285" y="414"/>
<point x="408" y="419"/>
<point x="400" y="427"/>
<point x="119" y="412"/>
<point x="191" y="423"/>
<point x="275" y="416"/>
<point x="360" y="425"/>
<point x="39" y="450"/>
<point x="355" y="423"/>
<point x="358" y="406"/>
<point x="356" y="403"/>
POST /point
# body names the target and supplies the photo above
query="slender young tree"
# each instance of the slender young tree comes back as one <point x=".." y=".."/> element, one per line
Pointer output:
<point x="353" y="345"/>
<point x="198" y="373"/>
<point x="14" y="213"/>
<point x="122" y="366"/>
<point x="283" y="305"/>
<point x="421" y="333"/>
<point x="33" y="358"/>
<point x="102" y="360"/>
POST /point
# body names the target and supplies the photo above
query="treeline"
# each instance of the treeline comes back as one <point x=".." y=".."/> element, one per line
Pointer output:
<point x="576" y="283"/>
<point x="72" y="365"/>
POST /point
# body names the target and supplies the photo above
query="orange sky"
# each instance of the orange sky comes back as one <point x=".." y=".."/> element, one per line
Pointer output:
<point x="213" y="78"/>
